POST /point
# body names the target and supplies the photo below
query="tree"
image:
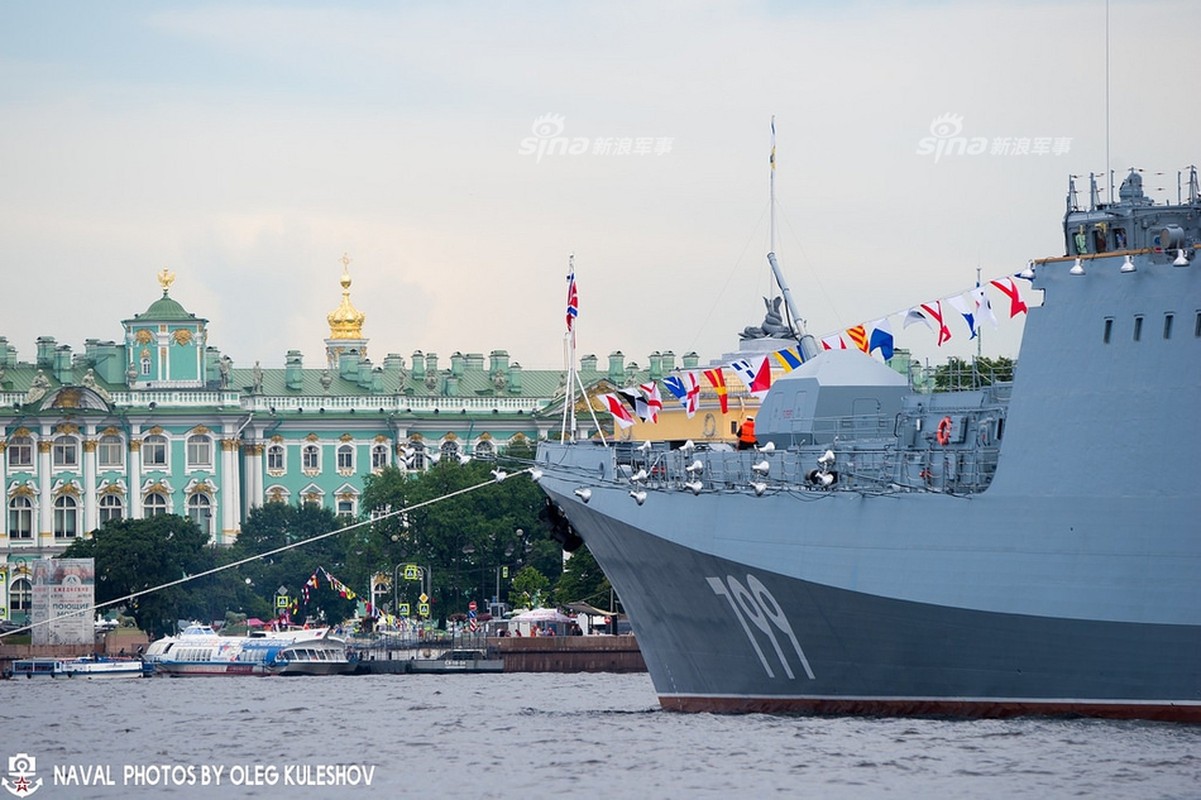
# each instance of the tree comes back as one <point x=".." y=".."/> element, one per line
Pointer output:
<point x="982" y="371"/>
<point x="582" y="581"/>
<point x="275" y="525"/>
<point x="530" y="585"/>
<point x="133" y="555"/>
<point x="462" y="541"/>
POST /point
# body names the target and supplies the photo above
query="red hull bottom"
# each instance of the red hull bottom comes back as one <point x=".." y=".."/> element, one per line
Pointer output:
<point x="971" y="709"/>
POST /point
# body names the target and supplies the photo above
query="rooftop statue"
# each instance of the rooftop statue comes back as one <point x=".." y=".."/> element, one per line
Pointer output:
<point x="773" y="326"/>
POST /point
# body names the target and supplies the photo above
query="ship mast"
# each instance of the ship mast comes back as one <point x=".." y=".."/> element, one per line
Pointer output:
<point x="808" y="345"/>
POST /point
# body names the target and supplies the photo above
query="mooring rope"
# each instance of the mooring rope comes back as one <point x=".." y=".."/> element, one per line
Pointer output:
<point x="248" y="559"/>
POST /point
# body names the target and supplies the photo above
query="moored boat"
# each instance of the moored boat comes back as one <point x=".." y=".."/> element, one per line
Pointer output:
<point x="1028" y="547"/>
<point x="83" y="667"/>
<point x="199" y="650"/>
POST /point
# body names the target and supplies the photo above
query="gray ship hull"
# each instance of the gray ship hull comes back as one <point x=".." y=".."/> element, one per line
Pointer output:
<point x="720" y="634"/>
<point x="1045" y="558"/>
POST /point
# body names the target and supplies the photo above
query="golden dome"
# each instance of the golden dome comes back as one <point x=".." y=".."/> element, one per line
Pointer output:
<point x="345" y="321"/>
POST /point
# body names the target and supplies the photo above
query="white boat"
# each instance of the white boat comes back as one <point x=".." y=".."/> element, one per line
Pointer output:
<point x="85" y="667"/>
<point x="199" y="650"/>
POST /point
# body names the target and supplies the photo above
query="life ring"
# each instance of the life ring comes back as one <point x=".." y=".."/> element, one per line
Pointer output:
<point x="944" y="431"/>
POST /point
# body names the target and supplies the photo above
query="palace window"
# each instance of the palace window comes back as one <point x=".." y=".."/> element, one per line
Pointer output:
<point x="110" y="452"/>
<point x="310" y="458"/>
<point x="20" y="452"/>
<point x="485" y="450"/>
<point x="21" y="596"/>
<point x="66" y="517"/>
<point x="154" y="505"/>
<point x="146" y="366"/>
<point x="417" y="460"/>
<point x="379" y="457"/>
<point x="112" y="507"/>
<point x="345" y="458"/>
<point x="154" y="451"/>
<point x="275" y="459"/>
<point x="20" y="518"/>
<point x="346" y="507"/>
<point x="450" y="450"/>
<point x="65" y="452"/>
<point x="200" y="451"/>
<point x="200" y="511"/>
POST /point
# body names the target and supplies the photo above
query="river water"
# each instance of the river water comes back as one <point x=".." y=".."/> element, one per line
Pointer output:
<point x="544" y="735"/>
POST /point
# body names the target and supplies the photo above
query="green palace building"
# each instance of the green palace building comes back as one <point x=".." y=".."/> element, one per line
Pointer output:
<point x="162" y="422"/>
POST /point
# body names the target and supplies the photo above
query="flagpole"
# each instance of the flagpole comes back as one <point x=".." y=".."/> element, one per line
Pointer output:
<point x="568" y="427"/>
<point x="772" y="187"/>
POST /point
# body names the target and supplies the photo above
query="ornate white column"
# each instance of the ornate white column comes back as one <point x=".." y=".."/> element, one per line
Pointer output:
<point x="45" y="527"/>
<point x="254" y="475"/>
<point x="3" y="492"/>
<point x="135" y="477"/>
<point x="91" y="512"/>
<point x="231" y="496"/>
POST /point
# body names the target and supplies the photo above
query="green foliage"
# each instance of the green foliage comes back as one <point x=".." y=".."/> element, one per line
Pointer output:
<point x="462" y="541"/>
<point x="530" y="586"/>
<point x="132" y="555"/>
<point x="582" y="581"/>
<point x="981" y="371"/>
<point x="275" y="525"/>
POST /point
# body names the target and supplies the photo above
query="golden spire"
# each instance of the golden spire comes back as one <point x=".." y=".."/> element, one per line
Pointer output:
<point x="165" y="279"/>
<point x="346" y="321"/>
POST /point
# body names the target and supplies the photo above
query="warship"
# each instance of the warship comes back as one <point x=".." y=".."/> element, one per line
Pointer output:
<point x="1031" y="547"/>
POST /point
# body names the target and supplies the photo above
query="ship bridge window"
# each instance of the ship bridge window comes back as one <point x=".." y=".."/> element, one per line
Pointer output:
<point x="1138" y="328"/>
<point x="1099" y="245"/>
<point x="1167" y="325"/>
<point x="1108" y="329"/>
<point x="1119" y="238"/>
<point x="1197" y="326"/>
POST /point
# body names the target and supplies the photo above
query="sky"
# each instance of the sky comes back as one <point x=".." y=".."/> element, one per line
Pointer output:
<point x="460" y="152"/>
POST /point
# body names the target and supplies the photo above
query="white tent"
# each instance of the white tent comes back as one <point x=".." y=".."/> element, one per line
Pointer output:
<point x="539" y="617"/>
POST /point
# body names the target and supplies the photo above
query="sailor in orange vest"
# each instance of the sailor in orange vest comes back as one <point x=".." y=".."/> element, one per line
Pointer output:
<point x="746" y="435"/>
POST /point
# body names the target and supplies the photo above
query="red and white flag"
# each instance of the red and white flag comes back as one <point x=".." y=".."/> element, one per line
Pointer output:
<point x="621" y="414"/>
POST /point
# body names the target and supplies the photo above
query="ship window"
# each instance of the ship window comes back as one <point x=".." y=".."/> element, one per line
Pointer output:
<point x="1167" y="325"/>
<point x="1108" y="329"/>
<point x="1000" y="428"/>
<point x="1119" y="238"/>
<point x="1138" y="328"/>
<point x="1099" y="240"/>
<point x="1197" y="326"/>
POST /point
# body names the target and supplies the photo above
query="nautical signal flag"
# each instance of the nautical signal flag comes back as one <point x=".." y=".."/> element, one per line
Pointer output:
<point x="789" y="358"/>
<point x="718" y="381"/>
<point x="881" y="339"/>
<point x="834" y="342"/>
<point x="654" y="400"/>
<point x="935" y="313"/>
<point x="621" y="415"/>
<point x="969" y="316"/>
<point x="692" y="393"/>
<point x="755" y="373"/>
<point x="858" y="336"/>
<point x="1010" y="290"/>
